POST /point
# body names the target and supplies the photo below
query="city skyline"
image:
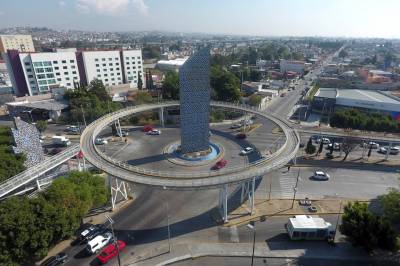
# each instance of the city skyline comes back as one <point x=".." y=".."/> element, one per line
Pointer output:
<point x="258" y="18"/>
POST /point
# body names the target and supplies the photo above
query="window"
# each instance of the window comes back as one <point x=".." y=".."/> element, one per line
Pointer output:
<point x="109" y="59"/>
<point x="73" y="72"/>
<point x="27" y="64"/>
<point x="41" y="76"/>
<point x="128" y="72"/>
<point x="68" y="84"/>
<point x="72" y="61"/>
<point x="98" y="70"/>
<point x="105" y="75"/>
<point x="119" y="78"/>
<point x="133" y="62"/>
<point x="96" y="60"/>
<point x="47" y="63"/>
<point x="133" y="58"/>
<point x="75" y="78"/>
<point x="112" y="78"/>
<point x="36" y="64"/>
<point x="64" y="61"/>
<point x="67" y="78"/>
<point x="112" y="74"/>
<point x="138" y="57"/>
<point x="130" y="78"/>
<point x="104" y="64"/>
<point x="57" y="73"/>
<point x="56" y="68"/>
<point x="128" y="68"/>
<point x="43" y="88"/>
<point x="127" y="58"/>
<point x="118" y="74"/>
<point x="50" y="76"/>
<point x="110" y="64"/>
<point x="134" y="67"/>
<point x="49" y="69"/>
<point x="51" y="81"/>
<point x="55" y="62"/>
<point x="103" y="59"/>
<point x="117" y="68"/>
<point x="97" y="65"/>
<point x="73" y="67"/>
<point x="98" y="75"/>
<point x="105" y="69"/>
<point x="106" y="80"/>
<point x="65" y="73"/>
<point x="39" y="70"/>
<point x="127" y="63"/>
<point x="42" y="82"/>
<point x="111" y="69"/>
<point x="29" y="70"/>
<point x="116" y="59"/>
<point x="139" y="66"/>
<point x="65" y="67"/>
<point x="117" y="64"/>
<point x="59" y="79"/>
<point x="113" y="84"/>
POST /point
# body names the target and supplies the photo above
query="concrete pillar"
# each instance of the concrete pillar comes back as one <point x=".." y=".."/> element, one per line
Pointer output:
<point x="388" y="151"/>
<point x="223" y="202"/>
<point x="38" y="184"/>
<point x="161" y="116"/>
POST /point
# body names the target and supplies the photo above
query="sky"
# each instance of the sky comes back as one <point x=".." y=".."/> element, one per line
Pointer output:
<point x="336" y="18"/>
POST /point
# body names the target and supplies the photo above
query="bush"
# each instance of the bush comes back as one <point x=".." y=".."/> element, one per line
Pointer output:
<point x="310" y="148"/>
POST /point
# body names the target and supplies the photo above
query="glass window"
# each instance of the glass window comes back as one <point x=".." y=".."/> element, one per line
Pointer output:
<point x="47" y="63"/>
<point x="113" y="84"/>
<point x="57" y="73"/>
<point x="96" y="59"/>
<point x="73" y="67"/>
<point x="112" y="74"/>
<point x="103" y="59"/>
<point x="49" y="69"/>
<point x="59" y="79"/>
<point x="128" y="68"/>
<point x="117" y="68"/>
<point x="56" y="68"/>
<point x="50" y="76"/>
<point x="112" y="78"/>
<point x="116" y="59"/>
<point x="98" y="75"/>
<point x="98" y="70"/>
<point x="42" y="82"/>
<point x="51" y="81"/>
<point x="27" y="64"/>
<point x="104" y="64"/>
<point x="117" y="64"/>
<point x="39" y="70"/>
<point x="43" y="88"/>
<point x="139" y="66"/>
<point x="110" y="64"/>
<point x="97" y="65"/>
<point x="105" y="75"/>
<point x="111" y="69"/>
<point x="65" y="67"/>
<point x="127" y="63"/>
<point x="68" y="84"/>
<point x="29" y="70"/>
<point x="133" y="67"/>
<point x="65" y="73"/>
<point x="75" y="78"/>
<point x="64" y="61"/>
<point x="73" y="72"/>
<point x="72" y="61"/>
<point x="105" y="69"/>
<point x="133" y="62"/>
<point x="109" y="59"/>
<point x="133" y="57"/>
<point x="127" y="58"/>
<point x="36" y="64"/>
<point x="55" y="62"/>
<point x="30" y="76"/>
<point x="32" y="82"/>
<point x="106" y="80"/>
<point x="118" y="74"/>
<point x="138" y="57"/>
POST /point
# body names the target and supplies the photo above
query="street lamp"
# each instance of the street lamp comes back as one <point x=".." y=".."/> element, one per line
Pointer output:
<point x="168" y="228"/>
<point x="252" y="226"/>
<point x="115" y="239"/>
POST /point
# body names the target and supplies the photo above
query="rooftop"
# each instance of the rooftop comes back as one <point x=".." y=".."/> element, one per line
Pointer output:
<point x="326" y="93"/>
<point x="49" y="105"/>
<point x="366" y="95"/>
<point x="305" y="221"/>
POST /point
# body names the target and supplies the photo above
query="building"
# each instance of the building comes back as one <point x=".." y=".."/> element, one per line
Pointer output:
<point x="330" y="99"/>
<point x="22" y="43"/>
<point x="194" y="82"/>
<point x="292" y="66"/>
<point x="170" y="65"/>
<point x="38" y="73"/>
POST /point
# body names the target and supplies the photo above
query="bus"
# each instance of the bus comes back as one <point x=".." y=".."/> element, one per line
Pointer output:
<point x="305" y="227"/>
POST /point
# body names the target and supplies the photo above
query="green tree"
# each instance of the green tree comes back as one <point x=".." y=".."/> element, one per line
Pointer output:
<point x="255" y="75"/>
<point x="255" y="100"/>
<point x="171" y="86"/>
<point x="310" y="148"/>
<point x="41" y="125"/>
<point x="96" y="87"/>
<point x="391" y="205"/>
<point x="143" y="97"/>
<point x="225" y="84"/>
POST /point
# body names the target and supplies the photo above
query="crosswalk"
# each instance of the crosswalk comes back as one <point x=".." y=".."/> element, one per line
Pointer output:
<point x="287" y="182"/>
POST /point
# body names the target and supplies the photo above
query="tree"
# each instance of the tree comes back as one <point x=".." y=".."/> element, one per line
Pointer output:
<point x="143" y="97"/>
<point x="391" y="205"/>
<point x="96" y="87"/>
<point x="171" y="86"/>
<point x="348" y="145"/>
<point x="255" y="75"/>
<point x="310" y="148"/>
<point x="10" y="163"/>
<point x="255" y="100"/>
<point x="41" y="125"/>
<point x="225" y="84"/>
<point x="140" y="82"/>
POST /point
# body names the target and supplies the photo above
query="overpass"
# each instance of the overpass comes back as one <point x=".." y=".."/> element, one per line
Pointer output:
<point x="32" y="173"/>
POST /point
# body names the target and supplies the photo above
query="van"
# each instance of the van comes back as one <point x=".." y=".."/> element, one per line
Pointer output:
<point x="97" y="243"/>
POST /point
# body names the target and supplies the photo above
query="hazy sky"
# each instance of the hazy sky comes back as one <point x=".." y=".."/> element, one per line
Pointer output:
<point x="349" y="18"/>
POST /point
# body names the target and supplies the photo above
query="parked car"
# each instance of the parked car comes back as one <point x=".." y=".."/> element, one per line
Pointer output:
<point x="241" y="136"/>
<point x="320" y="175"/>
<point x="100" y="141"/>
<point x="305" y="202"/>
<point x="312" y="209"/>
<point x="111" y="251"/>
<point x="336" y="146"/>
<point x="235" y="126"/>
<point x="147" y="128"/>
<point x="89" y="233"/>
<point x="100" y="241"/>
<point x="246" y="151"/>
<point x="371" y="144"/>
<point x="393" y="150"/>
<point x="75" y="130"/>
<point x="220" y="164"/>
<point x="154" y="132"/>
<point x="58" y="259"/>
<point x="324" y="140"/>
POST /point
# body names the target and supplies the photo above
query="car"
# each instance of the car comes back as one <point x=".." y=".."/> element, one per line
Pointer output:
<point x="241" y="136"/>
<point x="235" y="126"/>
<point x="324" y="140"/>
<point x="90" y="232"/>
<point x="312" y="209"/>
<point x="72" y="129"/>
<point x="371" y="144"/>
<point x="98" y="242"/>
<point x="100" y="141"/>
<point x="220" y="164"/>
<point x="393" y="150"/>
<point x="336" y="146"/>
<point x="246" y="151"/>
<point x="111" y="251"/>
<point x="147" y="128"/>
<point x="305" y="202"/>
<point x="154" y="132"/>
<point x="58" y="259"/>
<point x="320" y="175"/>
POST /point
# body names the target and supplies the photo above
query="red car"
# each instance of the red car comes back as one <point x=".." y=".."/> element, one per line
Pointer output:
<point x="241" y="136"/>
<point x="220" y="164"/>
<point x="147" y="128"/>
<point x="110" y="252"/>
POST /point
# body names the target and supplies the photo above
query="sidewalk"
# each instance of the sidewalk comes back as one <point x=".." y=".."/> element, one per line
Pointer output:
<point x="316" y="250"/>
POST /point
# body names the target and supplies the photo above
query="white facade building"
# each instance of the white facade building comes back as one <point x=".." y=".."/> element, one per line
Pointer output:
<point x="103" y="65"/>
<point x="294" y="66"/>
<point x="133" y="67"/>
<point x="45" y="70"/>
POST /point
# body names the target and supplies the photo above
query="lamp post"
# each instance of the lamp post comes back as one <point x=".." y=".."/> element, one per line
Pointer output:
<point x="295" y="188"/>
<point x="115" y="239"/>
<point x="168" y="227"/>
<point x="252" y="226"/>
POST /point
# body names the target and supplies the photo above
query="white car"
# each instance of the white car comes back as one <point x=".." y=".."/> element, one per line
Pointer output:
<point x="154" y="132"/>
<point x="393" y="150"/>
<point x="100" y="141"/>
<point x="97" y="243"/>
<point x="320" y="175"/>
<point x="246" y="151"/>
<point x="336" y="146"/>
<point x="324" y="140"/>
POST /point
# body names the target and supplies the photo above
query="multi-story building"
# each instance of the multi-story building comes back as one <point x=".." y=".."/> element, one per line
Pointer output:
<point x="22" y="43"/>
<point x="37" y="73"/>
<point x="293" y="66"/>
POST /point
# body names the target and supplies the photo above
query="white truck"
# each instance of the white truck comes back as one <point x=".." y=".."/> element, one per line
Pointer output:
<point x="305" y="227"/>
<point x="61" y="141"/>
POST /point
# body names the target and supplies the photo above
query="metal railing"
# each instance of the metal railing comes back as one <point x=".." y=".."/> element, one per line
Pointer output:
<point x="281" y="156"/>
<point x="33" y="172"/>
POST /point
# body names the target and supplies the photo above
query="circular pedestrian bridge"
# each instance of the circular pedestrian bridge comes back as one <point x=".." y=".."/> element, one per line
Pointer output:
<point x="188" y="179"/>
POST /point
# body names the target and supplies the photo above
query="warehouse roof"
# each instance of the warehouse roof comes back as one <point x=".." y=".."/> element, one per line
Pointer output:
<point x="326" y="93"/>
<point x="366" y="95"/>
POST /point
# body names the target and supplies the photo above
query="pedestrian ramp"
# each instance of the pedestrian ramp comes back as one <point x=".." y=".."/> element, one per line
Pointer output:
<point x="287" y="183"/>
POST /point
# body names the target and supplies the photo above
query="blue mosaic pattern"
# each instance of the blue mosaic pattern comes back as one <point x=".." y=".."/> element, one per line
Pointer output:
<point x="194" y="79"/>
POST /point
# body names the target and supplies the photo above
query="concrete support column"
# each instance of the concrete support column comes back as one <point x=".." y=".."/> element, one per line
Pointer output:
<point x="118" y="187"/>
<point x="223" y="202"/>
<point x="161" y="116"/>
<point x="38" y="184"/>
<point x="251" y="195"/>
<point x="388" y="151"/>
<point x="118" y="128"/>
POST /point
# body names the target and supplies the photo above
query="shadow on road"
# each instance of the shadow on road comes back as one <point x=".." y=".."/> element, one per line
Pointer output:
<point x="146" y="160"/>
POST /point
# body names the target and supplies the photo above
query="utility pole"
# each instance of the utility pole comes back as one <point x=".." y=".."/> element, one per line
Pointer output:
<point x="337" y="221"/>
<point x="114" y="238"/>
<point x="252" y="226"/>
<point x="295" y="188"/>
